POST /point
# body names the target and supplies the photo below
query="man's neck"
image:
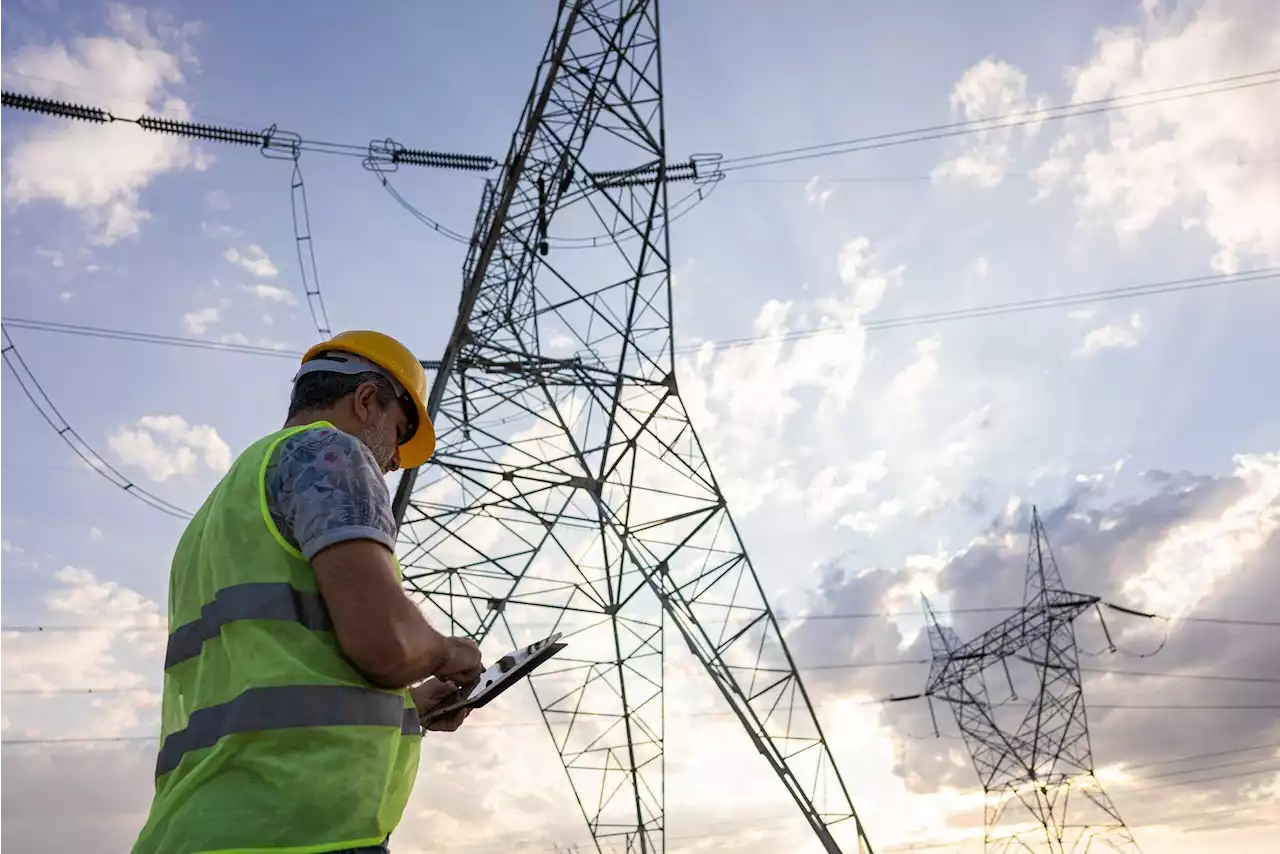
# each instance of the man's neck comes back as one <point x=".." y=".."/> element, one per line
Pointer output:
<point x="304" y="418"/>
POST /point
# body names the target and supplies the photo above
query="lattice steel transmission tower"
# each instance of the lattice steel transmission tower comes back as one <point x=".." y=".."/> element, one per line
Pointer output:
<point x="1034" y="759"/>
<point x="569" y="489"/>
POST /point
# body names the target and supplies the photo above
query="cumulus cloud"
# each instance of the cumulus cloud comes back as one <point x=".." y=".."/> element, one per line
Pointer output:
<point x="198" y="322"/>
<point x="1186" y="565"/>
<point x="254" y="259"/>
<point x="165" y="446"/>
<point x="121" y="658"/>
<point x="1205" y="163"/>
<point x="1111" y="336"/>
<point x="55" y="256"/>
<point x="833" y="486"/>
<point x="815" y="194"/>
<point x="1182" y="541"/>
<point x="914" y="380"/>
<point x="101" y="171"/>
<point x="989" y="88"/>
<point x="745" y="399"/>
<point x="272" y="293"/>
<point x="219" y="231"/>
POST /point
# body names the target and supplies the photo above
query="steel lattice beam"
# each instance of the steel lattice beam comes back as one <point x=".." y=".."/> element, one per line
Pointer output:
<point x="569" y="489"/>
<point x="1034" y="768"/>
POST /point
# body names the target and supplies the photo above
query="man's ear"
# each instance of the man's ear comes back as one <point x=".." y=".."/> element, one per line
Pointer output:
<point x="364" y="400"/>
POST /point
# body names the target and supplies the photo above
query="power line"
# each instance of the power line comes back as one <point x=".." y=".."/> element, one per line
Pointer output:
<point x="998" y="309"/>
<point x="1269" y="623"/>
<point x="89" y="739"/>
<point x="867" y="615"/>
<point x="147" y="338"/>
<point x="307" y="251"/>
<point x="1213" y="779"/>
<point x="1273" y="745"/>
<point x="927" y="179"/>
<point x="991" y="310"/>
<point x="1216" y="766"/>
<point x="1199" y="676"/>
<point x="860" y="615"/>
<point x="49" y="412"/>
<point x="678" y="209"/>
<point x="1003" y="121"/>
<point x="271" y="142"/>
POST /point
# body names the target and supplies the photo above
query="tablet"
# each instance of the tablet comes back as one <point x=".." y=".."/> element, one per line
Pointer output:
<point x="500" y="676"/>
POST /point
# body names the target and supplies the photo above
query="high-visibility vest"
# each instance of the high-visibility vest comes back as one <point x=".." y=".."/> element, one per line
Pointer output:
<point x="271" y="741"/>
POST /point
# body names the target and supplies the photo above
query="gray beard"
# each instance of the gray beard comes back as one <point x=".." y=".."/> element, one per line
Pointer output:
<point x="374" y="438"/>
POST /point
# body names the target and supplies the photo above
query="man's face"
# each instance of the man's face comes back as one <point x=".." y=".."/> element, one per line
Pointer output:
<point x="384" y="427"/>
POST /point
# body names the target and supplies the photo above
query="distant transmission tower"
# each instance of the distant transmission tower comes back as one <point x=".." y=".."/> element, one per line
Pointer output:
<point x="569" y="490"/>
<point x="1036" y="767"/>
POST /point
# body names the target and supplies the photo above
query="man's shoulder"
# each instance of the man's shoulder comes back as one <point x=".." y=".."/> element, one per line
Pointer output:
<point x="324" y="459"/>
<point x="310" y="444"/>
<point x="320" y="455"/>
<point x="323" y="487"/>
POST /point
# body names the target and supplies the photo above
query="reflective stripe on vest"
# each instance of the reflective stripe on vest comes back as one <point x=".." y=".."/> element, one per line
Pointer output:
<point x="287" y="707"/>
<point x="256" y="601"/>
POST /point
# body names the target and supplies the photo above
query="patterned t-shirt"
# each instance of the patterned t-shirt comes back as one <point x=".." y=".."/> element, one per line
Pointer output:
<point x="324" y="487"/>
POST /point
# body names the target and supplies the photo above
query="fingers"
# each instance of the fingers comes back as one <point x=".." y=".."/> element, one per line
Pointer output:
<point x="463" y="664"/>
<point x="448" y="723"/>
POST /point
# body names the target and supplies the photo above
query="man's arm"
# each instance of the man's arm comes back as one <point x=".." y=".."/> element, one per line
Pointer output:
<point x="328" y="498"/>
<point x="378" y="627"/>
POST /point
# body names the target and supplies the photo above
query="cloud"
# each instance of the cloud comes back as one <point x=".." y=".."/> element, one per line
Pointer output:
<point x="271" y="293"/>
<point x="745" y="399"/>
<point x="104" y="658"/>
<point x="1206" y="163"/>
<point x="217" y="200"/>
<point x="906" y="388"/>
<point x="833" y="486"/>
<point x="989" y="88"/>
<point x="254" y="259"/>
<point x="111" y="783"/>
<point x="1179" y="541"/>
<point x="816" y="195"/>
<point x="101" y="171"/>
<point x="1194" y="557"/>
<point x="219" y="231"/>
<point x="165" y="445"/>
<point x="198" y="322"/>
<point x="1111" y="337"/>
<point x="54" y="255"/>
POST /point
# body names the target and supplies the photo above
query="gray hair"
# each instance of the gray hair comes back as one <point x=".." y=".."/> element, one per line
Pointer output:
<point x="323" y="389"/>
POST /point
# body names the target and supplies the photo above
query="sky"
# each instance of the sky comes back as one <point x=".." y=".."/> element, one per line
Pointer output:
<point x="864" y="466"/>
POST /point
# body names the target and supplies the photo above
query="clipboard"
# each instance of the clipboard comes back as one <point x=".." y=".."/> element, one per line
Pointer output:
<point x="500" y="676"/>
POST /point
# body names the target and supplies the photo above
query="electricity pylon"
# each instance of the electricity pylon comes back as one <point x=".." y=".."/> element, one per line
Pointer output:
<point x="569" y="490"/>
<point x="1036" y="763"/>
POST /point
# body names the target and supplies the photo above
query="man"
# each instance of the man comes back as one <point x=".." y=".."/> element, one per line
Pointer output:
<point x="294" y="673"/>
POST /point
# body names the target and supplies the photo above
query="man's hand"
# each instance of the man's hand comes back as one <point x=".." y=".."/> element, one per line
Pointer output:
<point x="462" y="664"/>
<point x="431" y="695"/>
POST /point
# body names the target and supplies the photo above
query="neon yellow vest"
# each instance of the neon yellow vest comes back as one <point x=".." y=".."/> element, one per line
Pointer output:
<point x="270" y="740"/>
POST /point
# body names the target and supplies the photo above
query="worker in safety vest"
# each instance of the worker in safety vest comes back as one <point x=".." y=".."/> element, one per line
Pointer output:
<point x="294" y="674"/>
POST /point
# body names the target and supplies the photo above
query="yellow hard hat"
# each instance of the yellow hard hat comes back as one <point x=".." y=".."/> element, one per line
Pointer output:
<point x="397" y="360"/>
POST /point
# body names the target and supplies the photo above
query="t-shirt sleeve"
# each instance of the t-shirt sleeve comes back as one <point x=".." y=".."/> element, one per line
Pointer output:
<point x="324" y="487"/>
